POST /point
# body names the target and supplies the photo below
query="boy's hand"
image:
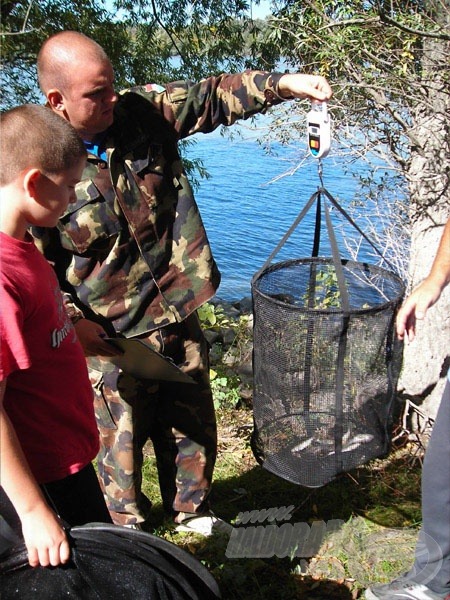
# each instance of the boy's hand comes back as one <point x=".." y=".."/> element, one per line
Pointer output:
<point x="91" y="336"/>
<point x="45" y="539"/>
<point x="44" y="536"/>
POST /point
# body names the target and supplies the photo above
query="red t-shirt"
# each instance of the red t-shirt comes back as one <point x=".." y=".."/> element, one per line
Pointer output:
<point x="48" y="395"/>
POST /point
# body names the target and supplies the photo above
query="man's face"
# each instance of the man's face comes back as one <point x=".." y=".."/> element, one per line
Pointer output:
<point x="88" y="98"/>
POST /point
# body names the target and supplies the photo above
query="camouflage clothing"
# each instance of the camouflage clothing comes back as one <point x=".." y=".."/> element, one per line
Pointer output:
<point x="178" y="418"/>
<point x="133" y="255"/>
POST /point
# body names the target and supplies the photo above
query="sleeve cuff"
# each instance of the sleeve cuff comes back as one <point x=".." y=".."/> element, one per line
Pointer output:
<point x="271" y="91"/>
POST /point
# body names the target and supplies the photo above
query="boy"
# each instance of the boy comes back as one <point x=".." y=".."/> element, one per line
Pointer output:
<point x="48" y="435"/>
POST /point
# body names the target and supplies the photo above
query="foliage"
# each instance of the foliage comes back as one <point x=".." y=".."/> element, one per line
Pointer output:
<point x="212" y="317"/>
<point x="323" y="290"/>
<point x="25" y="25"/>
<point x="141" y="38"/>
<point x="226" y="385"/>
<point x="377" y="54"/>
<point x="225" y="390"/>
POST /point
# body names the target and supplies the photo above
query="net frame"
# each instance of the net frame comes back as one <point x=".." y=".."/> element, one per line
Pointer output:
<point x="311" y="447"/>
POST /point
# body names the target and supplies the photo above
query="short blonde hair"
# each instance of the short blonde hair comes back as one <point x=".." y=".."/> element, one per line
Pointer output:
<point x="35" y="137"/>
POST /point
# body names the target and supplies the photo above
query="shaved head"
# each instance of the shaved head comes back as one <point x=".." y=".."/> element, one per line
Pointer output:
<point x="77" y="78"/>
<point x="61" y="53"/>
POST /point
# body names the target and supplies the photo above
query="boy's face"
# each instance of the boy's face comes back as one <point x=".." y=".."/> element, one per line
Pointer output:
<point x="54" y="193"/>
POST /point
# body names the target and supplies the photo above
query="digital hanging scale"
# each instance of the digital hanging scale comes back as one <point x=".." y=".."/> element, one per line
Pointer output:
<point x="319" y="129"/>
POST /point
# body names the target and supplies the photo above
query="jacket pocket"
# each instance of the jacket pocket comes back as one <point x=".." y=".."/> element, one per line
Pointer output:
<point x="90" y="224"/>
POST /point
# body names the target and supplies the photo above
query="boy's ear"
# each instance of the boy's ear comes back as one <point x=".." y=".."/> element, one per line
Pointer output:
<point x="55" y="100"/>
<point x="30" y="182"/>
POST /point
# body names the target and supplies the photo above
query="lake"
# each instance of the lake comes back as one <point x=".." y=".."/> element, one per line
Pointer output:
<point x="247" y="208"/>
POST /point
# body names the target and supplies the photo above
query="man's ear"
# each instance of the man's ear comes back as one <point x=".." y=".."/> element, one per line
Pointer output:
<point x="31" y="181"/>
<point x="55" y="100"/>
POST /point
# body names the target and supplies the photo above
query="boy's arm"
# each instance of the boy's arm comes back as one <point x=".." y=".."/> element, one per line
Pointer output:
<point x="44" y="536"/>
<point x="428" y="292"/>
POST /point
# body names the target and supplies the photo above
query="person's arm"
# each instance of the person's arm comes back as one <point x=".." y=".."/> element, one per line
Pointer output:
<point x="43" y="533"/>
<point x="428" y="292"/>
<point x="221" y="100"/>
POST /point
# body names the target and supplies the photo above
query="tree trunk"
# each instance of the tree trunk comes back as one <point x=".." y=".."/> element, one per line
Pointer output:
<point x="427" y="358"/>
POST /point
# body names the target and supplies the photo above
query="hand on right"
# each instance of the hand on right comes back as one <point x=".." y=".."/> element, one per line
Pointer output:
<point x="415" y="308"/>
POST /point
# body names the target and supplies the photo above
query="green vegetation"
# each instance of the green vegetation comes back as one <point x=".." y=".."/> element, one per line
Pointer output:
<point x="378" y="505"/>
<point x="226" y="385"/>
<point x="326" y="293"/>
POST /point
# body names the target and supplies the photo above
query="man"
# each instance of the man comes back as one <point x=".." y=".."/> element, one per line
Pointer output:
<point x="429" y="579"/>
<point x="134" y="256"/>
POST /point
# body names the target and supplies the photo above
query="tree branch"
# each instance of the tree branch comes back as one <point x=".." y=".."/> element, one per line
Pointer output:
<point x="5" y="11"/>
<point x="439" y="36"/>
<point x="169" y="33"/>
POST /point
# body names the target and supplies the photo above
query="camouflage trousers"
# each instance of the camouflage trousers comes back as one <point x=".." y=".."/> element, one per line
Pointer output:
<point x="178" y="418"/>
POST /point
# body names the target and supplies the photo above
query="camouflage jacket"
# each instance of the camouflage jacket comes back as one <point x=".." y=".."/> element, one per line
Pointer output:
<point x="132" y="252"/>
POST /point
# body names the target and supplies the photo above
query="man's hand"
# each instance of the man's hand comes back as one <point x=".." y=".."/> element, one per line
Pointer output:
<point x="91" y="336"/>
<point x="301" y="85"/>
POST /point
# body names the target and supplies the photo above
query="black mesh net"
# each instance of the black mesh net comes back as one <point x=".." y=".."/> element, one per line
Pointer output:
<point x="110" y="562"/>
<point x="324" y="378"/>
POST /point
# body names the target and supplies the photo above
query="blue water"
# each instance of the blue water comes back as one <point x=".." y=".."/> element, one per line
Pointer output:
<point x="246" y="211"/>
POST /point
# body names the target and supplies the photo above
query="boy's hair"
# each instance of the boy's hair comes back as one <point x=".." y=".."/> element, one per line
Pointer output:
<point x="34" y="136"/>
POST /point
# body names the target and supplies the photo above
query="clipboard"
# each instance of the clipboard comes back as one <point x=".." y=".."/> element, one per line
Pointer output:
<point x="144" y="362"/>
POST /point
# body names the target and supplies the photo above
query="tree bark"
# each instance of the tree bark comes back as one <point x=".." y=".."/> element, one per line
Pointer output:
<point x="427" y="358"/>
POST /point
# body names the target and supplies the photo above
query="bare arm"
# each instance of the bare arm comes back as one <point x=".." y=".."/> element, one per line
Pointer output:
<point x="44" y="536"/>
<point x="428" y="292"/>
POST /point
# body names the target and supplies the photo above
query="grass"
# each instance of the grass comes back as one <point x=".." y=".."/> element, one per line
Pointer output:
<point x="378" y="506"/>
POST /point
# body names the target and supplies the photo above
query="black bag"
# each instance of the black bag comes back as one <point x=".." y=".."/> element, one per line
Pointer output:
<point x="110" y="562"/>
